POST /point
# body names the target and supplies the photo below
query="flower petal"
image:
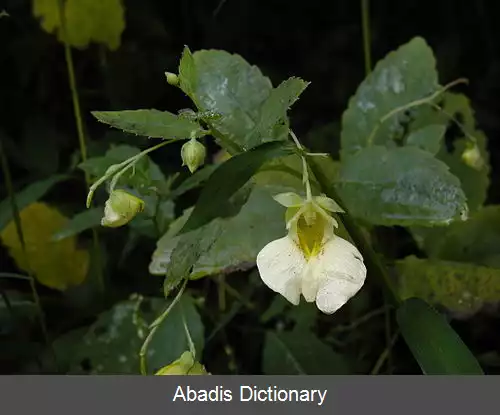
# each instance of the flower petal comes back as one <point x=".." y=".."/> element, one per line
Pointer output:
<point x="281" y="264"/>
<point x="341" y="274"/>
<point x="328" y="204"/>
<point x="289" y="199"/>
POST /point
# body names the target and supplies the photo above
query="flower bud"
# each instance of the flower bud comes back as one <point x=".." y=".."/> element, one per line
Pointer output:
<point x="472" y="157"/>
<point x="185" y="365"/>
<point x="172" y="78"/>
<point x="193" y="154"/>
<point x="120" y="208"/>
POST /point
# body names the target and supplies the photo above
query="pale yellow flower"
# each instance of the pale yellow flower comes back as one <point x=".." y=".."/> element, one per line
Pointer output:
<point x="311" y="260"/>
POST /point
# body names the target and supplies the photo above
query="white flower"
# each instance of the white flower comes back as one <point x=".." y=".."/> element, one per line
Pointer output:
<point x="311" y="260"/>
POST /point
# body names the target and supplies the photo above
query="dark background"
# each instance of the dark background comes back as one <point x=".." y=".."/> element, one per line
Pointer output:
<point x="320" y="41"/>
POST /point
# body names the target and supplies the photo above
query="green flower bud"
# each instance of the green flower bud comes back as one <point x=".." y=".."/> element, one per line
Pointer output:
<point x="472" y="157"/>
<point x="193" y="154"/>
<point x="172" y="78"/>
<point x="185" y="365"/>
<point x="120" y="208"/>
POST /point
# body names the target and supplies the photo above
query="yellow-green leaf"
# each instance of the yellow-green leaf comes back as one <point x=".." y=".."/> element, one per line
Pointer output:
<point x="55" y="264"/>
<point x="86" y="21"/>
<point x="459" y="287"/>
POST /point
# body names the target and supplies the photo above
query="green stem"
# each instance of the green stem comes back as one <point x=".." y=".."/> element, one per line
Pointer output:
<point x="365" y="19"/>
<point x="80" y="132"/>
<point x="154" y="326"/>
<point x="19" y="230"/>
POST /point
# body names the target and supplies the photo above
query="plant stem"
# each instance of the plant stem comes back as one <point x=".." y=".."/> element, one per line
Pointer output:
<point x="154" y="326"/>
<point x="365" y="19"/>
<point x="80" y="132"/>
<point x="19" y="229"/>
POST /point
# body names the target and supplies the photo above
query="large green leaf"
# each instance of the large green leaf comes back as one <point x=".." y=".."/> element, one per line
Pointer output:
<point x="300" y="352"/>
<point x="228" y="85"/>
<point x="227" y="179"/>
<point x="275" y="107"/>
<point x="403" y="76"/>
<point x="28" y="195"/>
<point x="111" y="345"/>
<point x="476" y="240"/>
<point x="229" y="243"/>
<point x="151" y="123"/>
<point x="400" y="186"/>
<point x="462" y="288"/>
<point x="435" y="345"/>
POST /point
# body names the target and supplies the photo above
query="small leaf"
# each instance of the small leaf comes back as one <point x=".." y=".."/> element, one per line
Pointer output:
<point x="403" y="76"/>
<point x="400" y="186"/>
<point x="275" y="107"/>
<point x="187" y="74"/>
<point x="462" y="288"/>
<point x="151" y="123"/>
<point x="28" y="195"/>
<point x="56" y="265"/>
<point x="300" y="352"/>
<point x="434" y="344"/>
<point x="88" y="219"/>
<point x="219" y="189"/>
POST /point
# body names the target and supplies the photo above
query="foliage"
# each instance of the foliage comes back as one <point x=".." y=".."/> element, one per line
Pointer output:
<point x="411" y="156"/>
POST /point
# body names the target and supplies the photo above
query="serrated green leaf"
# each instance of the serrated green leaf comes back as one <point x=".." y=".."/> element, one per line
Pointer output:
<point x="275" y="107"/>
<point x="218" y="189"/>
<point x="403" y="76"/>
<point x="82" y="221"/>
<point x="435" y="345"/>
<point x="300" y="352"/>
<point x="462" y="288"/>
<point x="225" y="83"/>
<point x="28" y="195"/>
<point x="400" y="186"/>
<point x="151" y="123"/>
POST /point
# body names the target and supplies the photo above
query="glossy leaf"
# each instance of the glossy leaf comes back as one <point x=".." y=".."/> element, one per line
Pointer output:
<point x="400" y="186"/>
<point x="218" y="189"/>
<point x="151" y="123"/>
<point x="28" y="195"/>
<point x="435" y="345"/>
<point x="403" y="76"/>
<point x="300" y="352"/>
<point x="461" y="288"/>
<point x="275" y="107"/>
<point x="228" y="85"/>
